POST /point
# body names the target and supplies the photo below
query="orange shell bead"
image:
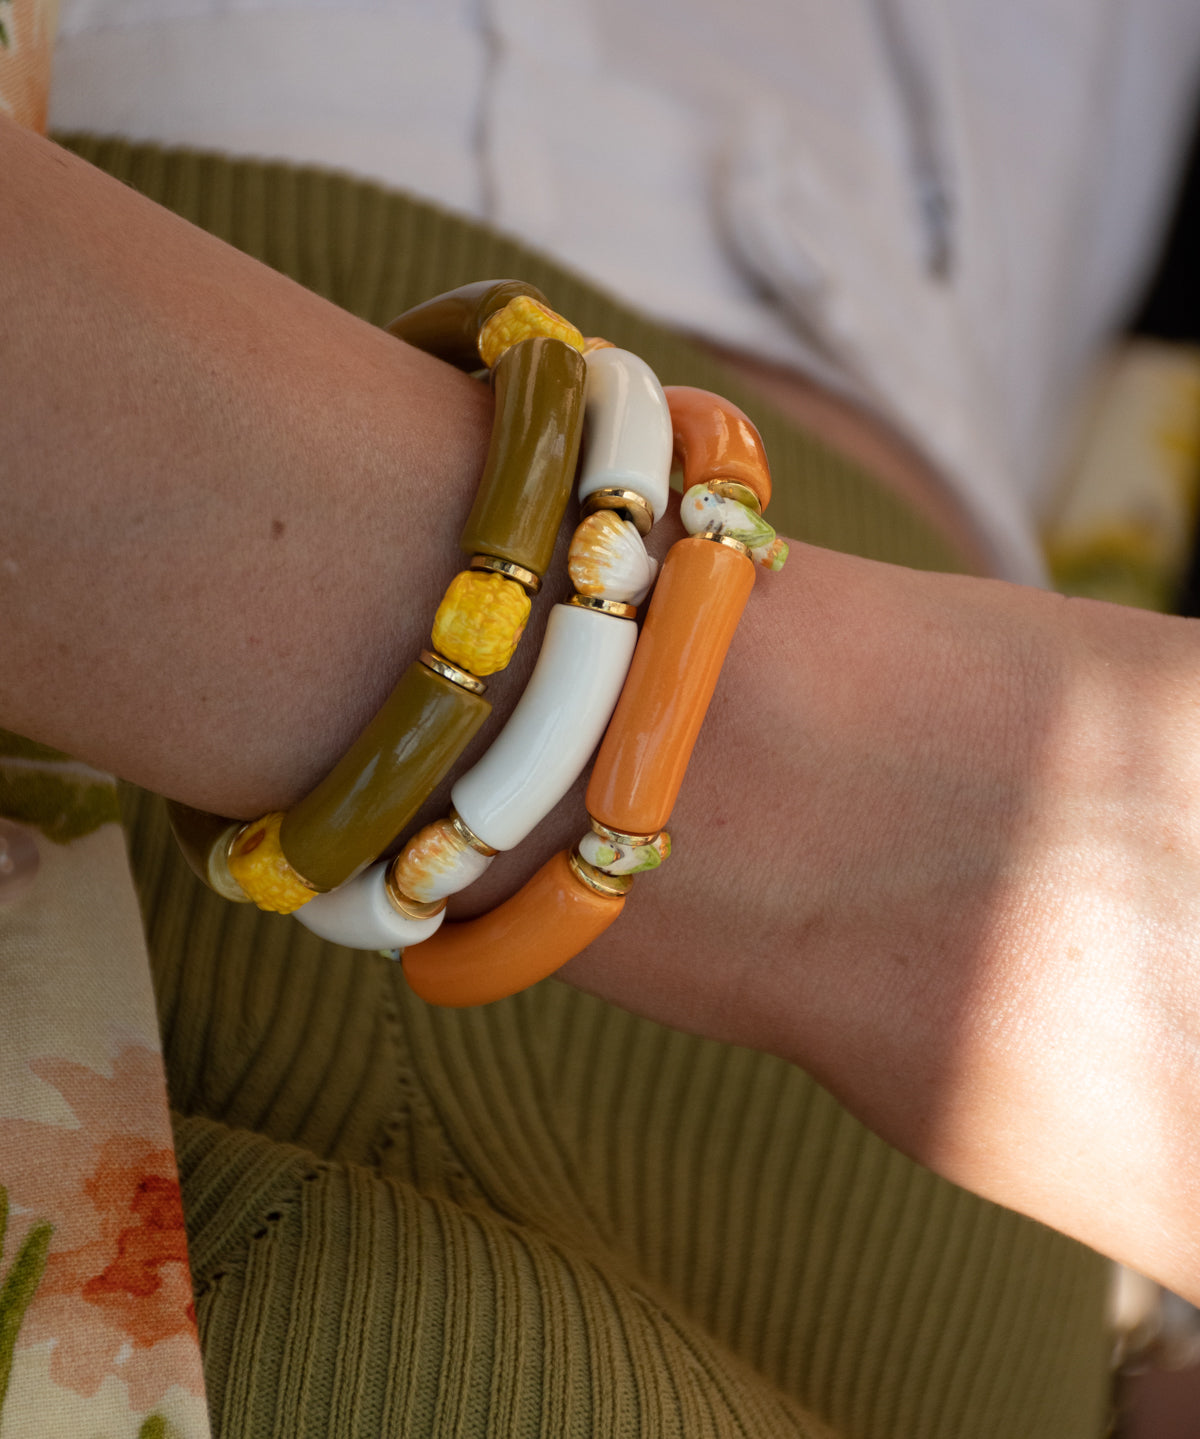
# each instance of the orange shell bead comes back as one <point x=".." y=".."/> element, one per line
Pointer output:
<point x="714" y="440"/>
<point x="549" y="920"/>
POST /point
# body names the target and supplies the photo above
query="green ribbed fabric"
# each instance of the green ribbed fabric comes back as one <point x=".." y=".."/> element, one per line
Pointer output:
<point x="546" y="1217"/>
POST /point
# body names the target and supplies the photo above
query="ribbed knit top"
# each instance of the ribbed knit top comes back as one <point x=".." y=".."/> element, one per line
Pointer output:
<point x="546" y="1217"/>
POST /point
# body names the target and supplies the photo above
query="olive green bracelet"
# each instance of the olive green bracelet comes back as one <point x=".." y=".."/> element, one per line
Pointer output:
<point x="537" y="370"/>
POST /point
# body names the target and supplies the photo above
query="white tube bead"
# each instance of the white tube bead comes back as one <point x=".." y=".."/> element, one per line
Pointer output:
<point x="627" y="439"/>
<point x="551" y="734"/>
<point x="359" y="915"/>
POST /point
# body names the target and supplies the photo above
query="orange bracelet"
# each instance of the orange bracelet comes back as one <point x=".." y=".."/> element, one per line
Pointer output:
<point x="702" y="590"/>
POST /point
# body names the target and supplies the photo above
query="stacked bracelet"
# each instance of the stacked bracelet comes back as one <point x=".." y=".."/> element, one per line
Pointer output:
<point x="576" y="682"/>
<point x="698" y="601"/>
<point x="314" y="858"/>
<point x="284" y="860"/>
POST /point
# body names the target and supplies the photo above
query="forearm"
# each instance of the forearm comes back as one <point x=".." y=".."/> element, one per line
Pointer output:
<point x="228" y="506"/>
<point x="938" y="842"/>
<point x="941" y="846"/>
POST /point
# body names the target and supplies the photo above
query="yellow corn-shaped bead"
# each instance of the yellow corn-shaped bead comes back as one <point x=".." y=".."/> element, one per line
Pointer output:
<point x="479" y="621"/>
<point x="260" y="867"/>
<point x="523" y="319"/>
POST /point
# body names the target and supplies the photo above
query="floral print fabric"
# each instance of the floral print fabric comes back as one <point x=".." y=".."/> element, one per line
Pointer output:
<point x="97" y="1331"/>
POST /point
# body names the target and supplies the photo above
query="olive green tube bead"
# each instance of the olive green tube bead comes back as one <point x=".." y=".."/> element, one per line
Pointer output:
<point x="373" y="791"/>
<point x="203" y="840"/>
<point x="530" y="467"/>
<point x="448" y="326"/>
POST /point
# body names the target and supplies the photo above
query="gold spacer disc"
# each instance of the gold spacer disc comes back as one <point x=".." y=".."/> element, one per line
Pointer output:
<point x="616" y="836"/>
<point x="617" y="608"/>
<point x="595" y="879"/>
<point x="468" y="835"/>
<point x="450" y="672"/>
<point x="613" y="498"/>
<point x="727" y="540"/>
<point x="402" y="904"/>
<point x="508" y="569"/>
<point x="735" y="490"/>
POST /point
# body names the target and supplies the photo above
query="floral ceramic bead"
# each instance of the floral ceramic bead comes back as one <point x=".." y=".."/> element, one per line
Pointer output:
<point x="522" y="319"/>
<point x="704" y="511"/>
<point x="614" y="858"/>
<point x="480" y="620"/>
<point x="259" y="865"/>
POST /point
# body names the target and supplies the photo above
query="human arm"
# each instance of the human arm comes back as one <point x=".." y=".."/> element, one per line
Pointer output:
<point x="850" y="794"/>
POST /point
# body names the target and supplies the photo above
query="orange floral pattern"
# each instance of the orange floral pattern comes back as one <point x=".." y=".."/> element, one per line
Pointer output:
<point x="116" y="1294"/>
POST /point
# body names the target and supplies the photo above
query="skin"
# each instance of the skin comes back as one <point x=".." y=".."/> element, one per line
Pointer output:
<point x="957" y="822"/>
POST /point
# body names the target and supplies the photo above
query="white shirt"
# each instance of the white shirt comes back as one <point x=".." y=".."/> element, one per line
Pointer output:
<point x="939" y="207"/>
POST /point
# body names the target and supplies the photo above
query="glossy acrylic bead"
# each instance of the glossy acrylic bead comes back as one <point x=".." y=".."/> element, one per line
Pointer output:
<point x="627" y="430"/>
<point x="530" y="464"/>
<point x="481" y="618"/>
<point x="548" y="921"/>
<point x="448" y="326"/>
<point x="374" y="790"/>
<point x="19" y="860"/>
<point x="607" y="559"/>
<point x="204" y="841"/>
<point x="437" y="862"/>
<point x="714" y="440"/>
<point x="360" y="915"/>
<point x="553" y="730"/>
<point x="694" y="611"/>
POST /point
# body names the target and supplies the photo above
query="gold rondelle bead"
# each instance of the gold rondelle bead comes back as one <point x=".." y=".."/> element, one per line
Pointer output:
<point x="616" y="837"/>
<point x="403" y="904"/>
<point x="508" y="569"/>
<point x="613" y="498"/>
<point x="618" y="608"/>
<point x="735" y="490"/>
<point x="468" y="835"/>
<point x="451" y="672"/>
<point x="596" y="879"/>
<point x="727" y="540"/>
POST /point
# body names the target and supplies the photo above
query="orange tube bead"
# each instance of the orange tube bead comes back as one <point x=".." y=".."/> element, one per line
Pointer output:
<point x="697" y="603"/>
<point x="548" y="921"/>
<point x="714" y="440"/>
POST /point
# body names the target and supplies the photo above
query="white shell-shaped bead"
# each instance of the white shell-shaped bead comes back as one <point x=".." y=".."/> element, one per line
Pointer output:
<point x="437" y="863"/>
<point x="627" y="440"/>
<point x="624" y="858"/>
<point x="556" y="725"/>
<point x="608" y="560"/>
<point x="360" y="915"/>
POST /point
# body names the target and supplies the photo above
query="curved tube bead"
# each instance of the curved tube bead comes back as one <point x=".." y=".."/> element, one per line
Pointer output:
<point x="694" y="611"/>
<point x="530" y="464"/>
<point x="555" y="727"/>
<point x="381" y="781"/>
<point x="204" y="842"/>
<point x="627" y="430"/>
<point x="714" y="440"/>
<point x="548" y="921"/>
<point x="360" y="916"/>
<point x="448" y="326"/>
